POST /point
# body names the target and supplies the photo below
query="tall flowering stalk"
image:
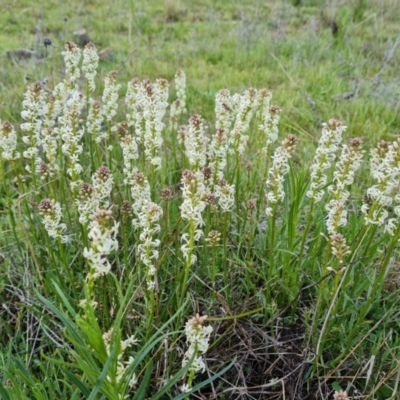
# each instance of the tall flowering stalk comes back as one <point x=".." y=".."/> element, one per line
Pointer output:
<point x="226" y="200"/>
<point x="328" y="145"/>
<point x="51" y="217"/>
<point x="72" y="56"/>
<point x="71" y="135"/>
<point x="154" y="103"/>
<point x="8" y="143"/>
<point x="103" y="230"/>
<point x="122" y="365"/>
<point x="385" y="169"/>
<point x="269" y="116"/>
<point x="196" y="143"/>
<point x="198" y="340"/>
<point x="275" y="192"/>
<point x="193" y="205"/>
<point x="89" y="66"/>
<point x="349" y="162"/>
<point x="34" y="106"/>
<point x="134" y="114"/>
<point x="129" y="151"/>
<point x="280" y="167"/>
<point x="247" y="104"/>
<point x="110" y="104"/>
<point x="148" y="220"/>
<point x="178" y="107"/>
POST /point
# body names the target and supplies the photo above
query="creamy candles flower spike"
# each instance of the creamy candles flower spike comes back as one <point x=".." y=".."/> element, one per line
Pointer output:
<point x="326" y="152"/>
<point x="51" y="213"/>
<point x="103" y="181"/>
<point x="148" y="221"/>
<point x="339" y="247"/>
<point x="129" y="151"/>
<point x="385" y="160"/>
<point x="154" y="101"/>
<point x="8" y="142"/>
<point x="198" y="340"/>
<point x="34" y="106"/>
<point x="178" y="107"/>
<point x="89" y="64"/>
<point x="122" y="366"/>
<point x="141" y="194"/>
<point x="103" y="242"/>
<point x="217" y="153"/>
<point x="226" y="195"/>
<point x="270" y="118"/>
<point x="133" y="103"/>
<point x="193" y="205"/>
<point x="224" y="110"/>
<point x="72" y="57"/>
<point x="248" y="103"/>
<point x="196" y="143"/>
<point x="94" y="122"/>
<point x="87" y="203"/>
<point x="71" y="135"/>
<point x="349" y="161"/>
<point x="110" y="97"/>
<point x="280" y="167"/>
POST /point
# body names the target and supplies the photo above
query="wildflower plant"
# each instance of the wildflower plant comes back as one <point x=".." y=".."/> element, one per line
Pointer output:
<point x="139" y="217"/>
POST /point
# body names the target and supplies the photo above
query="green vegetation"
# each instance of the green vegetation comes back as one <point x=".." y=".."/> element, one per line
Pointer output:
<point x="118" y="225"/>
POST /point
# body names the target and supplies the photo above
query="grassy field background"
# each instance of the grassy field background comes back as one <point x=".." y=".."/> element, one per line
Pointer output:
<point x="321" y="60"/>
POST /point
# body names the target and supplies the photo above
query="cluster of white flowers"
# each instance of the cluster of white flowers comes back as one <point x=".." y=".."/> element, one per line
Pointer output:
<point x="269" y="116"/>
<point x="339" y="247"/>
<point x="129" y="151"/>
<point x="122" y="365"/>
<point x="102" y="242"/>
<point x="51" y="213"/>
<point x="226" y="195"/>
<point x="72" y="56"/>
<point x="141" y="194"/>
<point x="178" y="107"/>
<point x="225" y="107"/>
<point x="34" y="107"/>
<point x="95" y="195"/>
<point x="94" y="121"/>
<point x="110" y="98"/>
<point x="385" y="168"/>
<point x="134" y="115"/>
<point x="71" y="134"/>
<point x="280" y="167"/>
<point x="102" y="181"/>
<point x="8" y="141"/>
<point x="218" y="153"/>
<point x="87" y="203"/>
<point x="326" y="152"/>
<point x="148" y="221"/>
<point x="154" y="103"/>
<point x="349" y="162"/>
<point x="247" y="104"/>
<point x="196" y="143"/>
<point x="89" y="64"/>
<point x="193" y="205"/>
<point x="198" y="340"/>
<point x="147" y="103"/>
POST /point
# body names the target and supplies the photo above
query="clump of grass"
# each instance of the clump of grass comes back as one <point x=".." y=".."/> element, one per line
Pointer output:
<point x="121" y="262"/>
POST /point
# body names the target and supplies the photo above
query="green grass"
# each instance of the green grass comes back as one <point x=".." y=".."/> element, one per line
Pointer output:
<point x="288" y="318"/>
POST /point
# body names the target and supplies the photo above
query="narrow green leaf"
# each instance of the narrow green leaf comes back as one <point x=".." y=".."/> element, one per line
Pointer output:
<point x="3" y="393"/>
<point x="141" y="392"/>
<point x="82" y="387"/>
<point x="103" y="377"/>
